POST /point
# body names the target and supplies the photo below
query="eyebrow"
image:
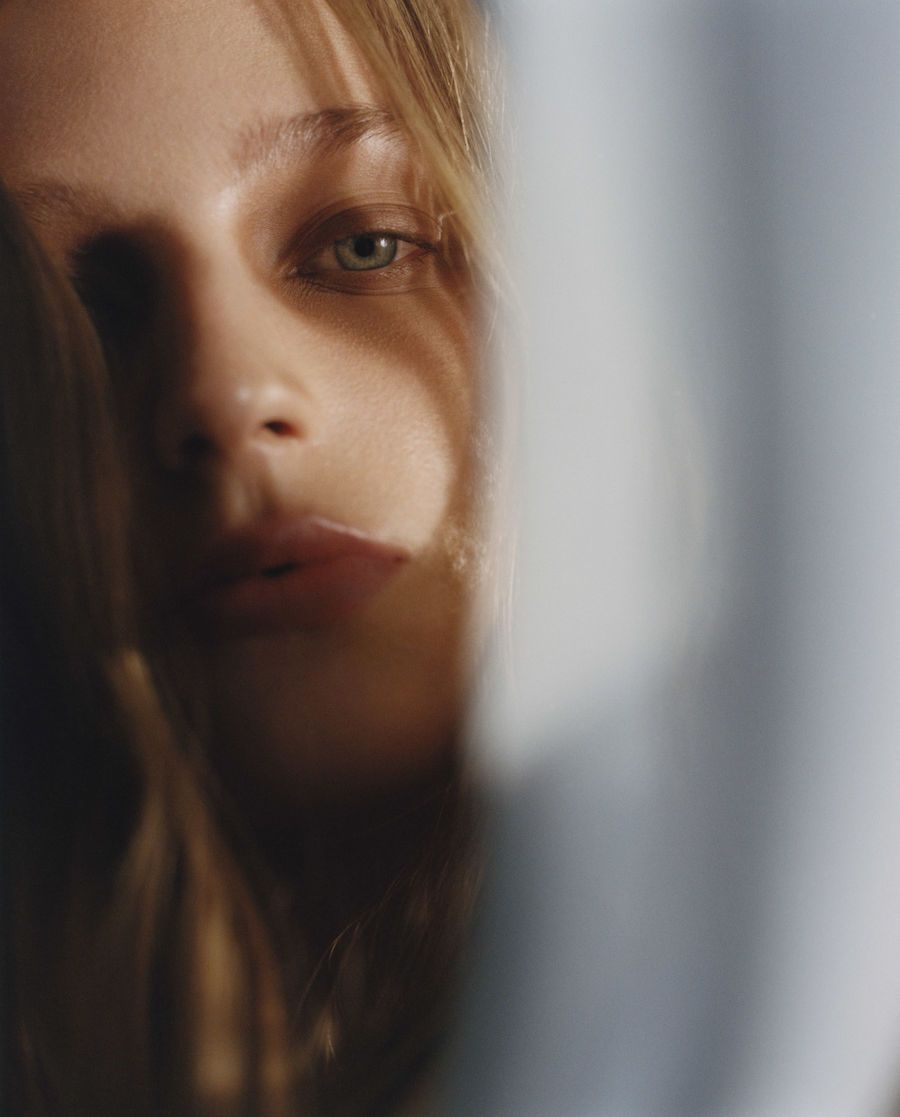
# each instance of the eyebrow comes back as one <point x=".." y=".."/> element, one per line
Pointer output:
<point x="314" y="134"/>
<point x="50" y="199"/>
<point x="264" y="142"/>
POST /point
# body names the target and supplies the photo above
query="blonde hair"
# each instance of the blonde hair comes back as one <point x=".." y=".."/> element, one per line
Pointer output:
<point x="147" y="965"/>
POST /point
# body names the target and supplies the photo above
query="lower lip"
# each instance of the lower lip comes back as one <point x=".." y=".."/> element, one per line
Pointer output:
<point x="310" y="596"/>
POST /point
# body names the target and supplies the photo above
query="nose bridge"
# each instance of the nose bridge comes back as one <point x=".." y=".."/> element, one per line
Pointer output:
<point x="226" y="389"/>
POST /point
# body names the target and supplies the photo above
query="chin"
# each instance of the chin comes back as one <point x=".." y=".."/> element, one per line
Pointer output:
<point x="319" y="717"/>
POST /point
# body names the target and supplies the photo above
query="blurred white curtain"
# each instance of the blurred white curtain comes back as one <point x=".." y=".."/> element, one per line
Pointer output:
<point x="694" y="901"/>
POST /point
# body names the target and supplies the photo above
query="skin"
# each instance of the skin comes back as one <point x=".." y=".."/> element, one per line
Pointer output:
<point x="135" y="135"/>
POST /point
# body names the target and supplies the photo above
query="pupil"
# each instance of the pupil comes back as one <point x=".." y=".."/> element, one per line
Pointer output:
<point x="365" y="246"/>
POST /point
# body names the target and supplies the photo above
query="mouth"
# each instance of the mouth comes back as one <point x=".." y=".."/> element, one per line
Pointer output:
<point x="287" y="575"/>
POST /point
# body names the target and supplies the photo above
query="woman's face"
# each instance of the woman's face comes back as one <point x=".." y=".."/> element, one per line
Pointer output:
<point x="261" y="255"/>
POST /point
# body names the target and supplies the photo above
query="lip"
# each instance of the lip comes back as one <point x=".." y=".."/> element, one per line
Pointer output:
<point x="300" y="574"/>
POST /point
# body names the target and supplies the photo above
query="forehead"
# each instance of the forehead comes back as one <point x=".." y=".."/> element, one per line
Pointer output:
<point x="127" y="92"/>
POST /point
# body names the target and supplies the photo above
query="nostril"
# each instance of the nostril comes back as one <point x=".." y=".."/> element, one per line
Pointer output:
<point x="281" y="429"/>
<point x="220" y="436"/>
<point x="196" y="449"/>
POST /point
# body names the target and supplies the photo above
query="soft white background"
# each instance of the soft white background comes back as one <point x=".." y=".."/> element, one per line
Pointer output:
<point x="695" y="899"/>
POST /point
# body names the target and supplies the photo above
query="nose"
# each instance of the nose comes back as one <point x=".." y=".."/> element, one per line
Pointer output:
<point x="227" y="391"/>
<point x="223" y="418"/>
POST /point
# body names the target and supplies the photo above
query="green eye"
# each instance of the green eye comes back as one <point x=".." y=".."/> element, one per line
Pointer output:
<point x="366" y="251"/>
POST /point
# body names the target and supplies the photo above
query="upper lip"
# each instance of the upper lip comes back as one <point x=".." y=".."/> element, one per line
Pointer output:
<point x="272" y="547"/>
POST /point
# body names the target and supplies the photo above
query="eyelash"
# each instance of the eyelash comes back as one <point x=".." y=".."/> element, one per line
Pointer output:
<point x="406" y="238"/>
<point x="310" y="265"/>
<point x="324" y="268"/>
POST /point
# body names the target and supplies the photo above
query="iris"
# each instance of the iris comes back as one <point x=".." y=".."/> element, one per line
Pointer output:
<point x="366" y="251"/>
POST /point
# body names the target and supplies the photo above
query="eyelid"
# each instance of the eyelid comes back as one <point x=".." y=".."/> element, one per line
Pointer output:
<point x="404" y="222"/>
<point x="319" y="263"/>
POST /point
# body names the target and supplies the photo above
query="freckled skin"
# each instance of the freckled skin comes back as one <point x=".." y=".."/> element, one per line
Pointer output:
<point x="139" y="107"/>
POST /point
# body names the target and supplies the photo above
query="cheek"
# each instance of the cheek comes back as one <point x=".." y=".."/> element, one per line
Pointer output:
<point x="403" y="457"/>
<point x="400" y="415"/>
<point x="355" y="710"/>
